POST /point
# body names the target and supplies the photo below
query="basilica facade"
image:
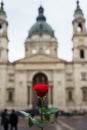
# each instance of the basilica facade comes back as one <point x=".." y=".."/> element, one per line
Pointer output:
<point x="41" y="64"/>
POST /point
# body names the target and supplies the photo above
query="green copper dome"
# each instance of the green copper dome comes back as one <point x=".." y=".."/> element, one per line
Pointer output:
<point x="41" y="26"/>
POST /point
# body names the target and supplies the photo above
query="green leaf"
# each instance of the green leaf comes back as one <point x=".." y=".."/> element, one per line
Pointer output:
<point x="24" y="113"/>
<point x="32" y="121"/>
<point x="52" y="110"/>
<point x="42" y="110"/>
<point x="39" y="124"/>
<point x="48" y="111"/>
<point x="47" y="117"/>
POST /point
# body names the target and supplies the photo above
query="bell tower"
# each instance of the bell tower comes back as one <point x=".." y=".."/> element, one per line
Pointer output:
<point x="79" y="35"/>
<point x="3" y="35"/>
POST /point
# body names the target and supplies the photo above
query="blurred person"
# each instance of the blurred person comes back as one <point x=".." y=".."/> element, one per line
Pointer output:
<point x="13" y="120"/>
<point x="5" y="119"/>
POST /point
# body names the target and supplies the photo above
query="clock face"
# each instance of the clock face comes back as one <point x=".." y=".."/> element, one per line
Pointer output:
<point x="47" y="51"/>
<point x="34" y="51"/>
<point x="81" y="40"/>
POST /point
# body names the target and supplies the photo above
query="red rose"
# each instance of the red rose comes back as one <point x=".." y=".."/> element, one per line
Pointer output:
<point x="41" y="89"/>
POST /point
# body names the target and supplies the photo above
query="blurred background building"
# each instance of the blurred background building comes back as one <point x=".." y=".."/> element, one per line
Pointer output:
<point x="41" y="64"/>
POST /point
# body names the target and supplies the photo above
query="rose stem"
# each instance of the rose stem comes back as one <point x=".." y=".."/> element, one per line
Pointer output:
<point x="41" y="111"/>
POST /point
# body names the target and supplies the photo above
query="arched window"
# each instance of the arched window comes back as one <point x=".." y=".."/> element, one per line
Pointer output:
<point x="1" y="29"/>
<point x="79" y="28"/>
<point x="82" y="55"/>
<point x="40" y="78"/>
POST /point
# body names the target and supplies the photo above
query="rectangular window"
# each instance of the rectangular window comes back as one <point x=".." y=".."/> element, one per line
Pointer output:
<point x="69" y="92"/>
<point x="69" y="76"/>
<point x="83" y="76"/>
<point x="11" y="77"/>
<point x="10" y="95"/>
<point x="84" y="94"/>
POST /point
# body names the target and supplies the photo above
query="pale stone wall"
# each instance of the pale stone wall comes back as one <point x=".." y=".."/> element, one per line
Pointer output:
<point x="56" y="73"/>
<point x="79" y="84"/>
<point x="17" y="77"/>
<point x="3" y="73"/>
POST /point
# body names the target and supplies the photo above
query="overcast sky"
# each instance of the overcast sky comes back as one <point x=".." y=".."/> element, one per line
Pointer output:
<point x="21" y="15"/>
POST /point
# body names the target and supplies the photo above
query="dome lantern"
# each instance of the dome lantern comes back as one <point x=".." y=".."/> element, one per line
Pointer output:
<point x="41" y="17"/>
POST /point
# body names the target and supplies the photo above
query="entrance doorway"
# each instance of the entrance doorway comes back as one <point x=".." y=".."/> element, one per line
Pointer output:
<point x="39" y="78"/>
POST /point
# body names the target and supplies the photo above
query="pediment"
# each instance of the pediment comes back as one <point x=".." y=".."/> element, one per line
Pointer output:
<point x="39" y="58"/>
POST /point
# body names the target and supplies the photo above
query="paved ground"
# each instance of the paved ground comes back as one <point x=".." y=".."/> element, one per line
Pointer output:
<point x="72" y="123"/>
<point x="63" y="123"/>
<point x="23" y="125"/>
